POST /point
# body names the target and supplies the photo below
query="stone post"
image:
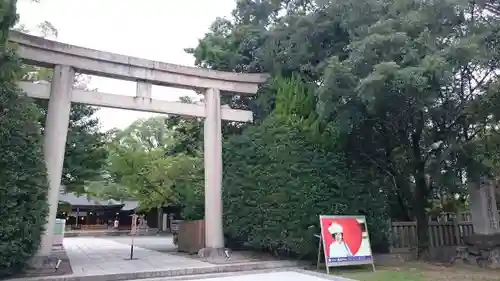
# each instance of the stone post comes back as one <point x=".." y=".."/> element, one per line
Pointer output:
<point x="483" y="247"/>
<point x="483" y="207"/>
<point x="55" y="133"/>
<point x="214" y="237"/>
<point x="159" y="218"/>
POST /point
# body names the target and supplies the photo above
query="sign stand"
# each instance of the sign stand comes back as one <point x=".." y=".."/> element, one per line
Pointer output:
<point x="132" y="249"/>
<point x="340" y="234"/>
<point x="133" y="232"/>
<point x="320" y="243"/>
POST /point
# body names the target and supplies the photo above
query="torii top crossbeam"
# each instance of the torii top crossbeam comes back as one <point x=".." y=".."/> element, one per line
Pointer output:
<point x="42" y="52"/>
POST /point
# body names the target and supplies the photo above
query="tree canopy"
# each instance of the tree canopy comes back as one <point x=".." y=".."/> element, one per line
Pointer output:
<point x="410" y="86"/>
<point x="155" y="161"/>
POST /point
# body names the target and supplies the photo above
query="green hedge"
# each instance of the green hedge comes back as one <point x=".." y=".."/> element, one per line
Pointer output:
<point x="278" y="180"/>
<point x="23" y="183"/>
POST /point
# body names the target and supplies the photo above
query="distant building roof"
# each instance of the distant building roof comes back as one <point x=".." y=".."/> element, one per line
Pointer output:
<point x="89" y="201"/>
<point x="130" y="205"/>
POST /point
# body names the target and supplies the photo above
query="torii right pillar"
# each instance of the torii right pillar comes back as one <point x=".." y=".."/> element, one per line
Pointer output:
<point x="214" y="235"/>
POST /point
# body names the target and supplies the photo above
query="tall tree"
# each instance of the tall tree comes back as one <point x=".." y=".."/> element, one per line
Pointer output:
<point x="418" y="90"/>
<point x="275" y="36"/>
<point x="156" y="160"/>
<point x="411" y="85"/>
<point x="492" y="6"/>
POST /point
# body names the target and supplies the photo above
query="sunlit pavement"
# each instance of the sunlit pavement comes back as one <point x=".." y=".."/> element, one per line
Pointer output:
<point x="163" y="244"/>
<point x="108" y="259"/>
<point x="286" y="275"/>
<point x="97" y="256"/>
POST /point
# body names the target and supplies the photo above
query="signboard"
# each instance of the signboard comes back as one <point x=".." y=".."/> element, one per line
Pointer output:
<point x="133" y="229"/>
<point x="142" y="225"/>
<point x="58" y="238"/>
<point x="345" y="241"/>
<point x="174" y="225"/>
<point x="133" y="232"/>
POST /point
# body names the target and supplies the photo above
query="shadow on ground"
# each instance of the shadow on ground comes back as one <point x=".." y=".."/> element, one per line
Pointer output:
<point x="164" y="244"/>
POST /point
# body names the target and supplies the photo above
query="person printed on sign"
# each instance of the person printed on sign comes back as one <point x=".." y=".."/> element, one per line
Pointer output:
<point x="338" y="248"/>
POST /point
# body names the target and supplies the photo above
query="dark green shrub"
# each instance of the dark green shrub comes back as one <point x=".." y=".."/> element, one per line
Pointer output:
<point x="23" y="184"/>
<point x="278" y="180"/>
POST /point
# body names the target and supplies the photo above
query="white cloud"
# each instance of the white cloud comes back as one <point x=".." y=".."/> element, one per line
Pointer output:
<point x="151" y="29"/>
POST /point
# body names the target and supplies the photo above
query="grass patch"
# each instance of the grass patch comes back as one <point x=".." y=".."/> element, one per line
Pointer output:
<point x="418" y="272"/>
<point x="384" y="275"/>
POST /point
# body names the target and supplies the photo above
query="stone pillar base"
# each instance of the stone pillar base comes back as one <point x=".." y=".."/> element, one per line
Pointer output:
<point x="482" y="250"/>
<point x="43" y="262"/>
<point x="216" y="254"/>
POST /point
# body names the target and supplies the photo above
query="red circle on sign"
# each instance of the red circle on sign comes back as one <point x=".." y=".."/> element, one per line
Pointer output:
<point x="352" y="232"/>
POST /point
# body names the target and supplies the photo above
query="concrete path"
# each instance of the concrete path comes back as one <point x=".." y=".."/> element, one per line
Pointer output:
<point x="273" y="275"/>
<point x="96" y="256"/>
<point x="164" y="244"/>
<point x="105" y="259"/>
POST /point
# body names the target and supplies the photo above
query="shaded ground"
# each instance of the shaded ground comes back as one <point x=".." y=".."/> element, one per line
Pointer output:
<point x="47" y="267"/>
<point x="235" y="257"/>
<point x="164" y="244"/>
<point x="420" y="272"/>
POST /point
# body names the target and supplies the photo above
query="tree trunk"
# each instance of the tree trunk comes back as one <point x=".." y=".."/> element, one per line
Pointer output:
<point x="159" y="214"/>
<point x="421" y="191"/>
<point x="420" y="204"/>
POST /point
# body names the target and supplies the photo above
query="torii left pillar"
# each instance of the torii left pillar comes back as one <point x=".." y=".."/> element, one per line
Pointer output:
<point x="55" y="134"/>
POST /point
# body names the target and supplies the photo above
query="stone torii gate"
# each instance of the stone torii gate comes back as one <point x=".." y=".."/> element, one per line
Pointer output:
<point x="66" y="59"/>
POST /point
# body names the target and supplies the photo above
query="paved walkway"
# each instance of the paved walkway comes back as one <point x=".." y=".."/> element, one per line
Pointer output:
<point x="98" y="259"/>
<point x="163" y="244"/>
<point x="96" y="256"/>
<point x="277" y="275"/>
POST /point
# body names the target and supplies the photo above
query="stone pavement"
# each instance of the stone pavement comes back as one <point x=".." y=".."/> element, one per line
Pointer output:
<point x="99" y="259"/>
<point x="268" y="275"/>
<point x="96" y="256"/>
<point x="164" y="244"/>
